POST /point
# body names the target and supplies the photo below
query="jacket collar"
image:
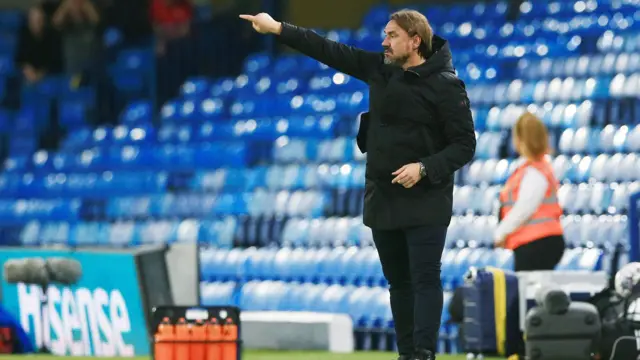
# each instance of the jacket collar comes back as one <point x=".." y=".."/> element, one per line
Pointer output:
<point x="440" y="60"/>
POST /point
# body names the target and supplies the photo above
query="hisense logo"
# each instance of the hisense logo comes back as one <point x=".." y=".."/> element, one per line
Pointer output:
<point x="79" y="322"/>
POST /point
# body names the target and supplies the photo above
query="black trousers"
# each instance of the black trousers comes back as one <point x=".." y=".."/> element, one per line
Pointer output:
<point x="541" y="254"/>
<point x="411" y="264"/>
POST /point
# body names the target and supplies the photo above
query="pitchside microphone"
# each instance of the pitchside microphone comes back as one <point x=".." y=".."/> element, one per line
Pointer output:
<point x="64" y="271"/>
<point x="42" y="272"/>
<point x="38" y="271"/>
<point x="28" y="271"/>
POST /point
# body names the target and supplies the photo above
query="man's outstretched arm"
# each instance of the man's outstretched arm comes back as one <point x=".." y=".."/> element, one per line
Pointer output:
<point x="347" y="59"/>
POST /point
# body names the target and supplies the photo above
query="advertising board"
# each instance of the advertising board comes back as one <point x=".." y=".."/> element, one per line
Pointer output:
<point x="102" y="315"/>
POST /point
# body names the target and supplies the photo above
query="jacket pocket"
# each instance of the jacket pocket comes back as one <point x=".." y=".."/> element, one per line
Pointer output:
<point x="363" y="132"/>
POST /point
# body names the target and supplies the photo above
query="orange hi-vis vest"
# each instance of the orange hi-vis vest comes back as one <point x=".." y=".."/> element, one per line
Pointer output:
<point x="546" y="220"/>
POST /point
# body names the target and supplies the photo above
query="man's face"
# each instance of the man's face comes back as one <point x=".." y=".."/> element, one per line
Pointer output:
<point x="397" y="44"/>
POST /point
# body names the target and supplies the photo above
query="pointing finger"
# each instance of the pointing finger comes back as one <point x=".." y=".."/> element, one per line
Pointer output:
<point x="398" y="171"/>
<point x="247" y="17"/>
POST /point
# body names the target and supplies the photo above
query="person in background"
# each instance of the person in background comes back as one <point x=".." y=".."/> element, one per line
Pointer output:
<point x="38" y="51"/>
<point x="77" y="21"/>
<point x="529" y="210"/>
<point x="130" y="18"/>
<point x="171" y="20"/>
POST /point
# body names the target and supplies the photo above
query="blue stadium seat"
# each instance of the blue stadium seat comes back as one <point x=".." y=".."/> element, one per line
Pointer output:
<point x="158" y="232"/>
<point x="137" y="113"/>
<point x="248" y="298"/>
<point x="464" y="199"/>
<point x="72" y="113"/>
<point x="195" y="88"/>
<point x="207" y="259"/>
<point x="488" y="145"/>
<point x="54" y="233"/>
<point x="330" y="270"/>
<point x="217" y="293"/>
<point x="30" y="234"/>
<point x="633" y="139"/>
<point x="122" y="234"/>
<point x="257" y="64"/>
<point x="90" y="234"/>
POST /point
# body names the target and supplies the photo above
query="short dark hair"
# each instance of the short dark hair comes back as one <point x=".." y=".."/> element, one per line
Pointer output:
<point x="414" y="23"/>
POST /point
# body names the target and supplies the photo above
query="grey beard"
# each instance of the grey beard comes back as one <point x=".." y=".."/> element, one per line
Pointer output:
<point x="398" y="62"/>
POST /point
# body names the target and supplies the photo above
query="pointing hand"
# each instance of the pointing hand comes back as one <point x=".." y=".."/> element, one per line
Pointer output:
<point x="263" y="23"/>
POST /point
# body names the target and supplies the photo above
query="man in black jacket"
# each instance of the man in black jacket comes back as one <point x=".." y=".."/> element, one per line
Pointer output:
<point x="417" y="133"/>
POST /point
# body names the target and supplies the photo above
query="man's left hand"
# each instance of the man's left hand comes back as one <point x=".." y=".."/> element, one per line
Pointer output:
<point x="407" y="176"/>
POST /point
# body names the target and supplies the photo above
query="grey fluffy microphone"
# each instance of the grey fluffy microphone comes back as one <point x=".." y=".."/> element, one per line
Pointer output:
<point x="64" y="271"/>
<point x="28" y="271"/>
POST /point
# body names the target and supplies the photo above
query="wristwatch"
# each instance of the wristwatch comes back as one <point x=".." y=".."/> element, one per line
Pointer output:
<point x="423" y="170"/>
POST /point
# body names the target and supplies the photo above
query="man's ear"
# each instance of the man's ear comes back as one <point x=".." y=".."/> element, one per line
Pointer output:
<point x="417" y="41"/>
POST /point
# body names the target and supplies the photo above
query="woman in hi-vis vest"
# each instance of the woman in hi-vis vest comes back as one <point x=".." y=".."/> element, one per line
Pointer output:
<point x="529" y="209"/>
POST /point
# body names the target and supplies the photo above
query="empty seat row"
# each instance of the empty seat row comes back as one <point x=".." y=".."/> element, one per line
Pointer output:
<point x="129" y="233"/>
<point x="583" y="66"/>
<point x="266" y="129"/>
<point x="336" y="265"/>
<point x="591" y="140"/>
<point x="279" y="177"/>
<point x="202" y="154"/>
<point x="130" y="182"/>
<point x="305" y="141"/>
<point x="577" y="92"/>
<point x="337" y="174"/>
<point x="323" y="81"/>
<point x="559" y="115"/>
<point x="332" y="231"/>
<point x="603" y="168"/>
<point x="296" y="203"/>
<point x="377" y="16"/>
<point x="619" y="41"/>
<point x="603" y="231"/>
<point x="556" y="90"/>
<point x="562" y="9"/>
<point x="22" y="211"/>
<point x="554" y="116"/>
<point x="133" y="157"/>
<point x="264" y="106"/>
<point x="145" y="198"/>
<point x="368" y="306"/>
<point x="357" y="265"/>
<point x="95" y="185"/>
<point x="490" y="169"/>
<point x="286" y="150"/>
<point x="584" y="198"/>
<point x="598" y="198"/>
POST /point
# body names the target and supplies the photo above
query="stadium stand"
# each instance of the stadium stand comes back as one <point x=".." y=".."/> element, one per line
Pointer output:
<point x="262" y="170"/>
